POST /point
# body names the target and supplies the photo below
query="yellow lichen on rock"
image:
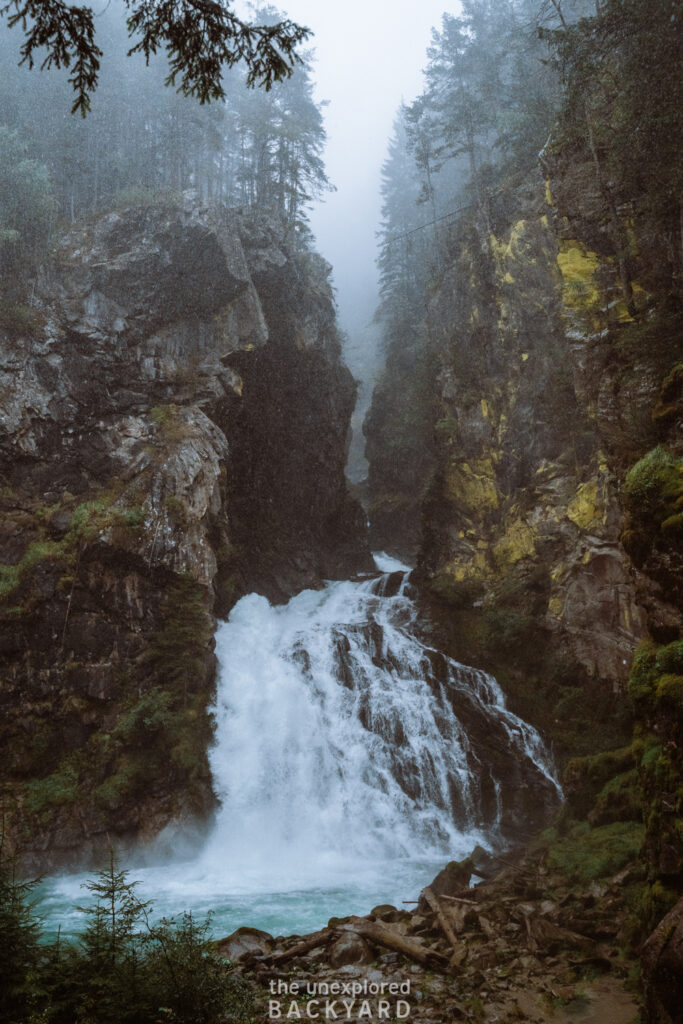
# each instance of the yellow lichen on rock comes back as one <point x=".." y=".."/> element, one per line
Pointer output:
<point x="473" y="485"/>
<point x="516" y="543"/>
<point x="578" y="266"/>
<point x="586" y="509"/>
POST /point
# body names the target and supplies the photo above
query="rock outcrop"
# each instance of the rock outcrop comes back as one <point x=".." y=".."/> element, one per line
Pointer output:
<point x="172" y="435"/>
<point x="548" y="518"/>
<point x="540" y="400"/>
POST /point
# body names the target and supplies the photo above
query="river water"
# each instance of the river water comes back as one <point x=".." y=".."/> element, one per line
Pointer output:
<point x="351" y="761"/>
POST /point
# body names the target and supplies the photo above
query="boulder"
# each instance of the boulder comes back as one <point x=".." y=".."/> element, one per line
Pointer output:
<point x="350" y="949"/>
<point x="245" y="941"/>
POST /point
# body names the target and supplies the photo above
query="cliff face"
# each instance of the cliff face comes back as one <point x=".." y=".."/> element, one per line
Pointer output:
<point x="173" y="434"/>
<point x="541" y="398"/>
<point x="549" y="524"/>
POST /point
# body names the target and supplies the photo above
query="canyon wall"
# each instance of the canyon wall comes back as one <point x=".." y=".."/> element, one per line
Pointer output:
<point x="173" y="432"/>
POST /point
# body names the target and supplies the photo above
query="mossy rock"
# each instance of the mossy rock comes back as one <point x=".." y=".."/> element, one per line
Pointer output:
<point x="621" y="799"/>
<point x="670" y="690"/>
<point x="588" y="854"/>
<point x="653" y="486"/>
<point x="584" y="778"/>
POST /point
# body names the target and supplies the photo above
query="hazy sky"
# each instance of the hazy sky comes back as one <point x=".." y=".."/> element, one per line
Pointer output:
<point x="369" y="56"/>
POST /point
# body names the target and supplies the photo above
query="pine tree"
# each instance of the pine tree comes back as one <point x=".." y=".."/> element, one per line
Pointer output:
<point x="20" y="952"/>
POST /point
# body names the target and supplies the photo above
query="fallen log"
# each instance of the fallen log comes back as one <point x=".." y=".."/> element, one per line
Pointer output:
<point x="399" y="943"/>
<point x="321" y="938"/>
<point x="446" y="926"/>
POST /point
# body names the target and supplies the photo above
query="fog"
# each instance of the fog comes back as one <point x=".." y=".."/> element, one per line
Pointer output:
<point x="368" y="58"/>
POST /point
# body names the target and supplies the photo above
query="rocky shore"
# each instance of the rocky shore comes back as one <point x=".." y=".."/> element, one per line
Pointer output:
<point x="523" y="944"/>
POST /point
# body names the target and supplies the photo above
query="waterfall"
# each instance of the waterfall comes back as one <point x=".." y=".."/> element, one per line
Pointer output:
<point x="351" y="760"/>
<point x="341" y="736"/>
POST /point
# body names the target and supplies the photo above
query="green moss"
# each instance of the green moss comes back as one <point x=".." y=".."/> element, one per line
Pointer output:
<point x="147" y="717"/>
<point x="586" y="509"/>
<point x="507" y="627"/>
<point x="585" y="778"/>
<point x="93" y="518"/>
<point x="670" y="658"/>
<point x="516" y="543"/>
<point x="620" y="799"/>
<point x="670" y="689"/>
<point x="88" y="521"/>
<point x="643" y="674"/>
<point x="653" y="486"/>
<point x="654" y="902"/>
<point x="119" y="786"/>
<point x="472" y="486"/>
<point x="39" y="551"/>
<point x="54" y="790"/>
<point x="458" y="593"/>
<point x="172" y="427"/>
<point x="591" y="853"/>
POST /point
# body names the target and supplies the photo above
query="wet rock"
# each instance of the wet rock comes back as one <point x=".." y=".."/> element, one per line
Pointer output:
<point x="350" y="949"/>
<point x="662" y="964"/>
<point x="385" y="912"/>
<point x="245" y="941"/>
<point x="453" y="878"/>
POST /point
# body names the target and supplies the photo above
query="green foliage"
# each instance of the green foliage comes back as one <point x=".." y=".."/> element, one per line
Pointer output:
<point x="19" y="935"/>
<point x="623" y="97"/>
<point x="88" y="521"/>
<point x="26" y="213"/>
<point x="643" y="674"/>
<point x="37" y="552"/>
<point x="508" y="627"/>
<point x="55" y="790"/>
<point x="124" y="968"/>
<point x="190" y="978"/>
<point x="161" y="734"/>
<point x="178" y="650"/>
<point x="587" y="854"/>
<point x="200" y="42"/>
<point x="92" y="518"/>
<point x="145" y="144"/>
<point x="149" y="716"/>
<point x="584" y="778"/>
<point x="620" y="799"/>
<point x="654" y="902"/>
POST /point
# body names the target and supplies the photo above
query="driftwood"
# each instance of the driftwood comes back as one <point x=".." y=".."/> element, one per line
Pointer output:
<point x="446" y="926"/>
<point x="460" y="899"/>
<point x="322" y="938"/>
<point x="400" y="943"/>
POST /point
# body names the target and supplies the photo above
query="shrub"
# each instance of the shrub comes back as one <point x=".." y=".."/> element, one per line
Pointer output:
<point x="653" y="485"/>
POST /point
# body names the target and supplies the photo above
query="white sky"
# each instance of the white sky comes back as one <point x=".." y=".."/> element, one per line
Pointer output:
<point x="369" y="56"/>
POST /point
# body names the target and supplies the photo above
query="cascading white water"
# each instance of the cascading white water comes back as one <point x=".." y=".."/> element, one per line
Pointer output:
<point x="350" y="760"/>
<point x="338" y="736"/>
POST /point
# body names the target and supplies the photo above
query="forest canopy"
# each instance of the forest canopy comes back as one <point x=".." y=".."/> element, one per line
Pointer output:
<point x="202" y="38"/>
